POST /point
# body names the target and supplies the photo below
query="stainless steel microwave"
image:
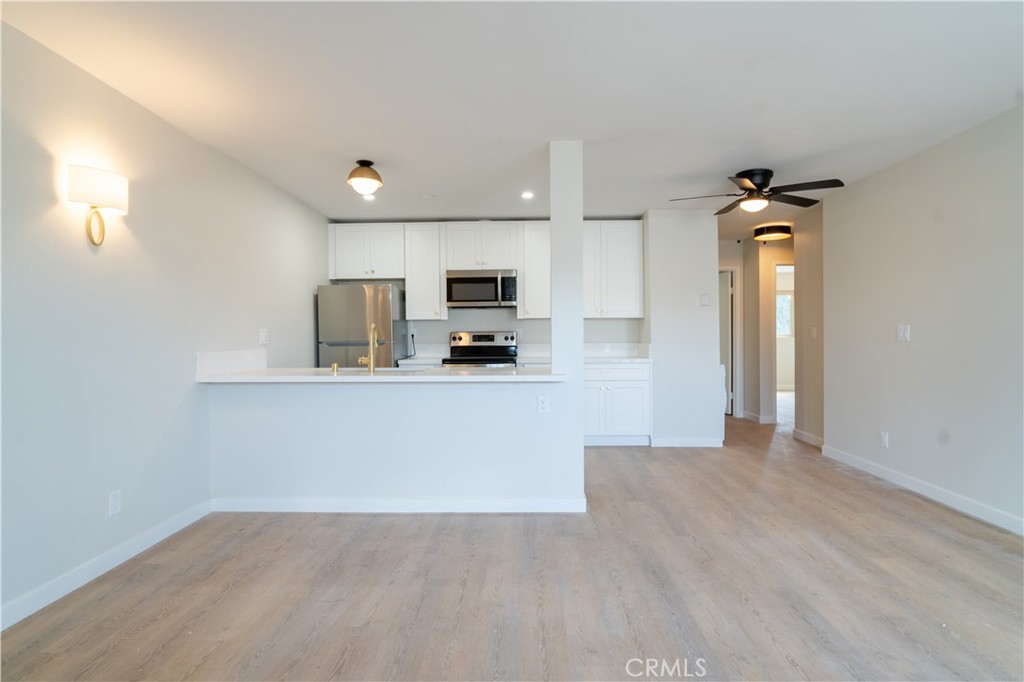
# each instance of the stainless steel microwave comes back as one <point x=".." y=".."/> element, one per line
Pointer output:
<point x="481" y="288"/>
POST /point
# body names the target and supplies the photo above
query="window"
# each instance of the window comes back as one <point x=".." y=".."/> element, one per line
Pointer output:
<point x="784" y="313"/>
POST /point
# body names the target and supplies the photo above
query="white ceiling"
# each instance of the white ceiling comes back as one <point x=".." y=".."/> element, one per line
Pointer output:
<point x="455" y="102"/>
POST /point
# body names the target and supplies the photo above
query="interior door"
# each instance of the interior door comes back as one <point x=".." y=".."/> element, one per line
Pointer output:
<point x="725" y="302"/>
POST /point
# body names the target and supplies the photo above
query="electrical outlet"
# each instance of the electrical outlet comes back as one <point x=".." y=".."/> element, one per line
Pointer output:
<point x="543" y="404"/>
<point x="884" y="439"/>
<point x="264" y="336"/>
<point x="114" y="503"/>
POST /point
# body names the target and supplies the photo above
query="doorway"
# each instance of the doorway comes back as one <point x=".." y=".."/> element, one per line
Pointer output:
<point x="726" y="337"/>
<point x="785" y="347"/>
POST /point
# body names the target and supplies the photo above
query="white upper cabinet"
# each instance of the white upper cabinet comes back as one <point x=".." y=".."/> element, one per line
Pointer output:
<point x="424" y="272"/>
<point x="366" y="251"/>
<point x="534" y="273"/>
<point x="613" y="268"/>
<point x="482" y="245"/>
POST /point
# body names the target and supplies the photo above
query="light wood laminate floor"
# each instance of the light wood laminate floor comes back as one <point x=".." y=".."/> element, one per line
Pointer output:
<point x="762" y="560"/>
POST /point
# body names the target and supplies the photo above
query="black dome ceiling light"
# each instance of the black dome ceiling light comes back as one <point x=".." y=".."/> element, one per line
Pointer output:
<point x="757" y="194"/>
<point x="771" y="233"/>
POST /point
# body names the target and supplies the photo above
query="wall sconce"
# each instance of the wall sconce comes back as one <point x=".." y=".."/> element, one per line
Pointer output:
<point x="99" y="189"/>
<point x="771" y="233"/>
<point x="364" y="179"/>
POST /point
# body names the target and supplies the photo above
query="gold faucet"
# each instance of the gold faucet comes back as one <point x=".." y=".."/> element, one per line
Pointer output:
<point x="371" y="359"/>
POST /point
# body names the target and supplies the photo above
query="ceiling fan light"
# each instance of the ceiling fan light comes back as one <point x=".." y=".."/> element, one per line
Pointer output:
<point x="364" y="179"/>
<point x="771" y="233"/>
<point x="753" y="204"/>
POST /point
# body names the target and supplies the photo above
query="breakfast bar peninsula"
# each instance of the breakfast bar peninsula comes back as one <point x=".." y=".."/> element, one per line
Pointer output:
<point x="432" y="440"/>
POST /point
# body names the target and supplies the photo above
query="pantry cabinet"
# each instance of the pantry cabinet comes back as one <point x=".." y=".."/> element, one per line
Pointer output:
<point x="366" y="251"/>
<point x="613" y="269"/>
<point x="482" y="245"/>
<point x="424" y="272"/>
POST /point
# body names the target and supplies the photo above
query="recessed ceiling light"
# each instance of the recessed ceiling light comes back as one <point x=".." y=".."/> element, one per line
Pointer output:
<point x="527" y="194"/>
<point x="369" y="197"/>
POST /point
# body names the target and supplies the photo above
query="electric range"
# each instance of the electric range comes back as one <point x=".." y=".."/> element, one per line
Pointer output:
<point x="482" y="349"/>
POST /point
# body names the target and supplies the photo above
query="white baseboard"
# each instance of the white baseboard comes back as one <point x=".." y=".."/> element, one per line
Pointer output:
<point x="686" y="442"/>
<point x="343" y="505"/>
<point x="804" y="437"/>
<point x="616" y="440"/>
<point x="44" y="595"/>
<point x="961" y="503"/>
<point x="757" y="419"/>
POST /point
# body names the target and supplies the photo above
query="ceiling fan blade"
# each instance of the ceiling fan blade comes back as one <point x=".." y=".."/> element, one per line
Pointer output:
<point x="729" y="207"/>
<point x="794" y="200"/>
<point x="805" y="186"/>
<point x="743" y="183"/>
<point x="708" y="196"/>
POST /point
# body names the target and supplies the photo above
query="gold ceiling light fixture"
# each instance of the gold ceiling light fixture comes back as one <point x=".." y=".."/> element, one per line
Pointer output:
<point x="364" y="179"/>
<point x="99" y="190"/>
<point x="771" y="233"/>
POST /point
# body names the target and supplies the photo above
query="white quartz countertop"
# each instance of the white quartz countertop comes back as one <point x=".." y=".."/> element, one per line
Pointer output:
<point x="389" y="375"/>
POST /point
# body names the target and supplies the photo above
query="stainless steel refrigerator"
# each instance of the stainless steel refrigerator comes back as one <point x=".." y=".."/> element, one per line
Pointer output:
<point x="344" y="315"/>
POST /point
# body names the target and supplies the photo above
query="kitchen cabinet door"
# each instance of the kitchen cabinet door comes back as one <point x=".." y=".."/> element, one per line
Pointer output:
<point x="626" y="410"/>
<point x="463" y="246"/>
<point x="386" y="256"/>
<point x="592" y="276"/>
<point x="348" y="246"/>
<point x="366" y="251"/>
<point x="622" y="261"/>
<point x="498" y="246"/>
<point x="482" y="245"/>
<point x="613" y="269"/>
<point x="534" y="275"/>
<point x="424" y="272"/>
<point x="593" y="408"/>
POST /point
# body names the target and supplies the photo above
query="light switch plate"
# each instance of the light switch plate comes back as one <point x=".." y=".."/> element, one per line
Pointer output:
<point x="264" y="336"/>
<point x="903" y="332"/>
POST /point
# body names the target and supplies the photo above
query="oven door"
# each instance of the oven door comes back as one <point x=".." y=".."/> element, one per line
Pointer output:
<point x="479" y="363"/>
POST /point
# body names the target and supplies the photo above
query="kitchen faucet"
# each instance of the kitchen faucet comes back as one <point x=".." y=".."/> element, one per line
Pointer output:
<point x="371" y="359"/>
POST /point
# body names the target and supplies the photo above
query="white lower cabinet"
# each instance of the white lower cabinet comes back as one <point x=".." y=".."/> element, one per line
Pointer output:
<point x="617" y="403"/>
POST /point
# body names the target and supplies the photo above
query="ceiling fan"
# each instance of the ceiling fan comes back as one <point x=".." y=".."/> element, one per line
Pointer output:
<point x="757" y="194"/>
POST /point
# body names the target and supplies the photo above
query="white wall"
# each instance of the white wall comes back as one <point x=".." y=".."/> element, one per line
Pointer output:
<point x="935" y="242"/>
<point x="99" y="343"/>
<point x="687" y="383"/>
<point x="809" y="370"/>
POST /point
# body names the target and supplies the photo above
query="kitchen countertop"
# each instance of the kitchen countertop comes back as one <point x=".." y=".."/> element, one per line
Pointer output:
<point x="305" y="375"/>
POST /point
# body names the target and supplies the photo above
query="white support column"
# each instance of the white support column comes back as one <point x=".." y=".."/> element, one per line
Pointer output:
<point x="566" y="168"/>
<point x="566" y="173"/>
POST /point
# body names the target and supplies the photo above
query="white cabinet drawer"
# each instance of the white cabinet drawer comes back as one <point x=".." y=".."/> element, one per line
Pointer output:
<point x="639" y="372"/>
